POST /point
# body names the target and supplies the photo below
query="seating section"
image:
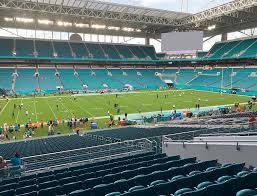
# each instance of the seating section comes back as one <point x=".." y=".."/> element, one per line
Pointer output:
<point x="240" y="48"/>
<point x="116" y="79"/>
<point x="66" y="49"/>
<point x="47" y="145"/>
<point x="132" y="133"/>
<point x="145" y="174"/>
<point x="26" y="82"/>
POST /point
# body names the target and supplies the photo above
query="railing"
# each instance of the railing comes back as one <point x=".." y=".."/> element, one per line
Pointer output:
<point x="246" y="133"/>
<point x="39" y="163"/>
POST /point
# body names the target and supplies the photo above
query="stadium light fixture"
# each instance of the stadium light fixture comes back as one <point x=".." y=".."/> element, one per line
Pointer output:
<point x="8" y="19"/>
<point x="45" y="22"/>
<point x="113" y="28"/>
<point x="62" y="23"/>
<point x="138" y="30"/>
<point x="24" y="20"/>
<point x="128" y="29"/>
<point x="81" y="25"/>
<point x="96" y="26"/>
<point x="211" y="27"/>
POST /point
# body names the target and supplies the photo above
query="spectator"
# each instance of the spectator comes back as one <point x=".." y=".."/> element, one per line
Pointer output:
<point x="17" y="164"/>
<point x="3" y="163"/>
<point x="16" y="161"/>
<point x="252" y="122"/>
<point x="3" y="167"/>
<point x="77" y="130"/>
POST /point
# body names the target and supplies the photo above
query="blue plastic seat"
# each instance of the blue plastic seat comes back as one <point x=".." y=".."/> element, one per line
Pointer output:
<point x="10" y="192"/>
<point x="194" y="193"/>
<point x="211" y="168"/>
<point x="68" y="180"/>
<point x="226" y="164"/>
<point x="81" y="192"/>
<point x="204" y="184"/>
<point x="34" y="193"/>
<point x="135" y="188"/>
<point x="183" y="190"/>
<point x="8" y="187"/>
<point x="113" y="194"/>
<point x="52" y="191"/>
<point x="46" y="178"/>
<point x="102" y="189"/>
<point x="194" y="172"/>
<point x="177" y="177"/>
<point x="48" y="173"/>
<point x="62" y="175"/>
<point x="28" y="177"/>
<point x="9" y="181"/>
<point x="242" y="173"/>
<point x="26" y="189"/>
<point x="246" y="192"/>
<point x="27" y="182"/>
<point x="141" y="192"/>
<point x="68" y="188"/>
<point x="223" y="178"/>
<point x="85" y="176"/>
<point x="110" y="178"/>
<point x="122" y="185"/>
<point x="156" y="182"/>
<point x="48" y="184"/>
<point x="90" y="183"/>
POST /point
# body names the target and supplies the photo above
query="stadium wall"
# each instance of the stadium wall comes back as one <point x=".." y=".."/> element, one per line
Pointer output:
<point x="224" y="151"/>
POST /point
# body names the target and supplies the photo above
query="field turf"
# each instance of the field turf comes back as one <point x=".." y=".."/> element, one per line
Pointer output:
<point x="45" y="108"/>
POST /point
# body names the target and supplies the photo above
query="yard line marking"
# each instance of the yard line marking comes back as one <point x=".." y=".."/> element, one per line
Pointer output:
<point x="78" y="105"/>
<point x="18" y="112"/>
<point x="51" y="109"/>
<point x="35" y="108"/>
<point x="67" y="109"/>
<point x="4" y="107"/>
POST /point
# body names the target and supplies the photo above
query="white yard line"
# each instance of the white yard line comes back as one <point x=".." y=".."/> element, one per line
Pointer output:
<point x="4" y="107"/>
<point x="18" y="112"/>
<point x="78" y="105"/>
<point x="67" y="108"/>
<point x="35" y="108"/>
<point x="51" y="110"/>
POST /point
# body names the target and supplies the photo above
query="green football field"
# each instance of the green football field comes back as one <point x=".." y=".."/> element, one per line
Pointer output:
<point x="67" y="106"/>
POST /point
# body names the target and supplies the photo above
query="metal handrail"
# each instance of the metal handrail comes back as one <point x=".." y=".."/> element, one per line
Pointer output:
<point x="101" y="152"/>
<point x="79" y="149"/>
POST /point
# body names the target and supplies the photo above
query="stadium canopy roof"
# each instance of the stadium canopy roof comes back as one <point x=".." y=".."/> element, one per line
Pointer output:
<point x="137" y="21"/>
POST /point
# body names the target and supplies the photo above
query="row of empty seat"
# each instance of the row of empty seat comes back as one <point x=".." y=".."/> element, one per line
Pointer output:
<point x="47" y="145"/>
<point x="143" y="174"/>
<point x="26" y="48"/>
<point x="245" y="47"/>
<point x="47" y="81"/>
<point x="26" y="82"/>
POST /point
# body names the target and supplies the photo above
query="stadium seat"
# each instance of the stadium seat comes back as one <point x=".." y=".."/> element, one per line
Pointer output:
<point x="247" y="192"/>
<point x="113" y="194"/>
<point x="203" y="184"/>
<point x="81" y="192"/>
<point x="68" y="188"/>
<point x="50" y="191"/>
<point x="8" y="192"/>
<point x="157" y="182"/>
<point x="223" y="178"/>
<point x="135" y="188"/>
<point x="34" y="193"/>
<point x="26" y="189"/>
<point x="181" y="191"/>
